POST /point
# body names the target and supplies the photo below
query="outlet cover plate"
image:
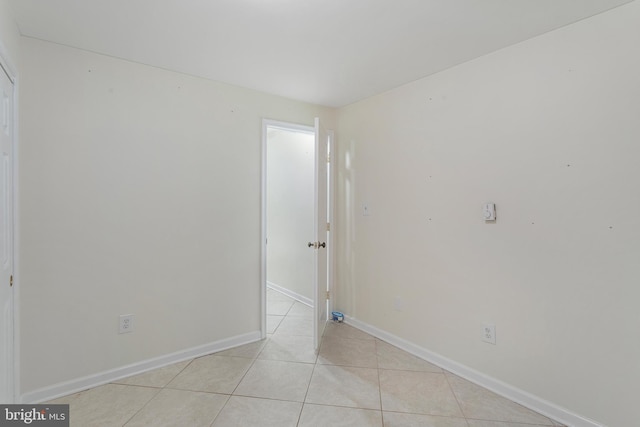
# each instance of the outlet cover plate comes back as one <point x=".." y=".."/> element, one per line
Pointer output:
<point x="126" y="323"/>
<point x="489" y="333"/>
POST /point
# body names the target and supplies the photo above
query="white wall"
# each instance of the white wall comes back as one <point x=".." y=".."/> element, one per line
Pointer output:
<point x="290" y="208"/>
<point x="9" y="34"/>
<point x="140" y="193"/>
<point x="549" y="130"/>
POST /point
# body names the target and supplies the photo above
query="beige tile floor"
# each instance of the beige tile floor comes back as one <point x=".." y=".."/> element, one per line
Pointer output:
<point x="355" y="380"/>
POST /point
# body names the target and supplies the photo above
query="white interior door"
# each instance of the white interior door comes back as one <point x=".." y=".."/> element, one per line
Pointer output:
<point x="6" y="239"/>
<point x="320" y="224"/>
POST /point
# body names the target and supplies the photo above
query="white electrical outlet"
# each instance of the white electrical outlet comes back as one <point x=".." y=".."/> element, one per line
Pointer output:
<point x="126" y="323"/>
<point x="489" y="333"/>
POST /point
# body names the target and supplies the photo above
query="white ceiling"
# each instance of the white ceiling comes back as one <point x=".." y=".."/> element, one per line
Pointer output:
<point x="328" y="52"/>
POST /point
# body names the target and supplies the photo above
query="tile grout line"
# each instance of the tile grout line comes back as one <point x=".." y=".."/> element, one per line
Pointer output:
<point x="253" y="361"/>
<point x="304" y="400"/>
<point x="220" y="411"/>
<point x="142" y="407"/>
<point x="160" y="389"/>
<point x="379" y="382"/>
<point x="446" y="377"/>
<point x="165" y="387"/>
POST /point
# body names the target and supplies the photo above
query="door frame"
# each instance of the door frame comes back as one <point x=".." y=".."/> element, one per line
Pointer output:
<point x="7" y="66"/>
<point x="266" y="123"/>
<point x="331" y="199"/>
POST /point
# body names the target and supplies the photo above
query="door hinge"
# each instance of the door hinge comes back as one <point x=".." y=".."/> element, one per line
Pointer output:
<point x="327" y="294"/>
<point x="11" y="281"/>
<point x="328" y="227"/>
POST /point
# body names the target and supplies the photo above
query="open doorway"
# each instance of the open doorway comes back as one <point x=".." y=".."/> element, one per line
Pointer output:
<point x="290" y="209"/>
<point x="295" y="161"/>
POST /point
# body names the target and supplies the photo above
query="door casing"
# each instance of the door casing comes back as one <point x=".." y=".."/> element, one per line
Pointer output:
<point x="6" y="67"/>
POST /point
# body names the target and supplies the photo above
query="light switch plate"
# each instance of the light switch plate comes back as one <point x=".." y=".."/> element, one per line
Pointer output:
<point x="489" y="212"/>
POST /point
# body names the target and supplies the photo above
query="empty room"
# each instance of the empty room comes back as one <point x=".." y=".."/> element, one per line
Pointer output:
<point x="469" y="254"/>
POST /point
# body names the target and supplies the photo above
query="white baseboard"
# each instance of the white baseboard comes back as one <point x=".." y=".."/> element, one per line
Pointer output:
<point x="84" y="383"/>
<point x="522" y="397"/>
<point x="290" y="294"/>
